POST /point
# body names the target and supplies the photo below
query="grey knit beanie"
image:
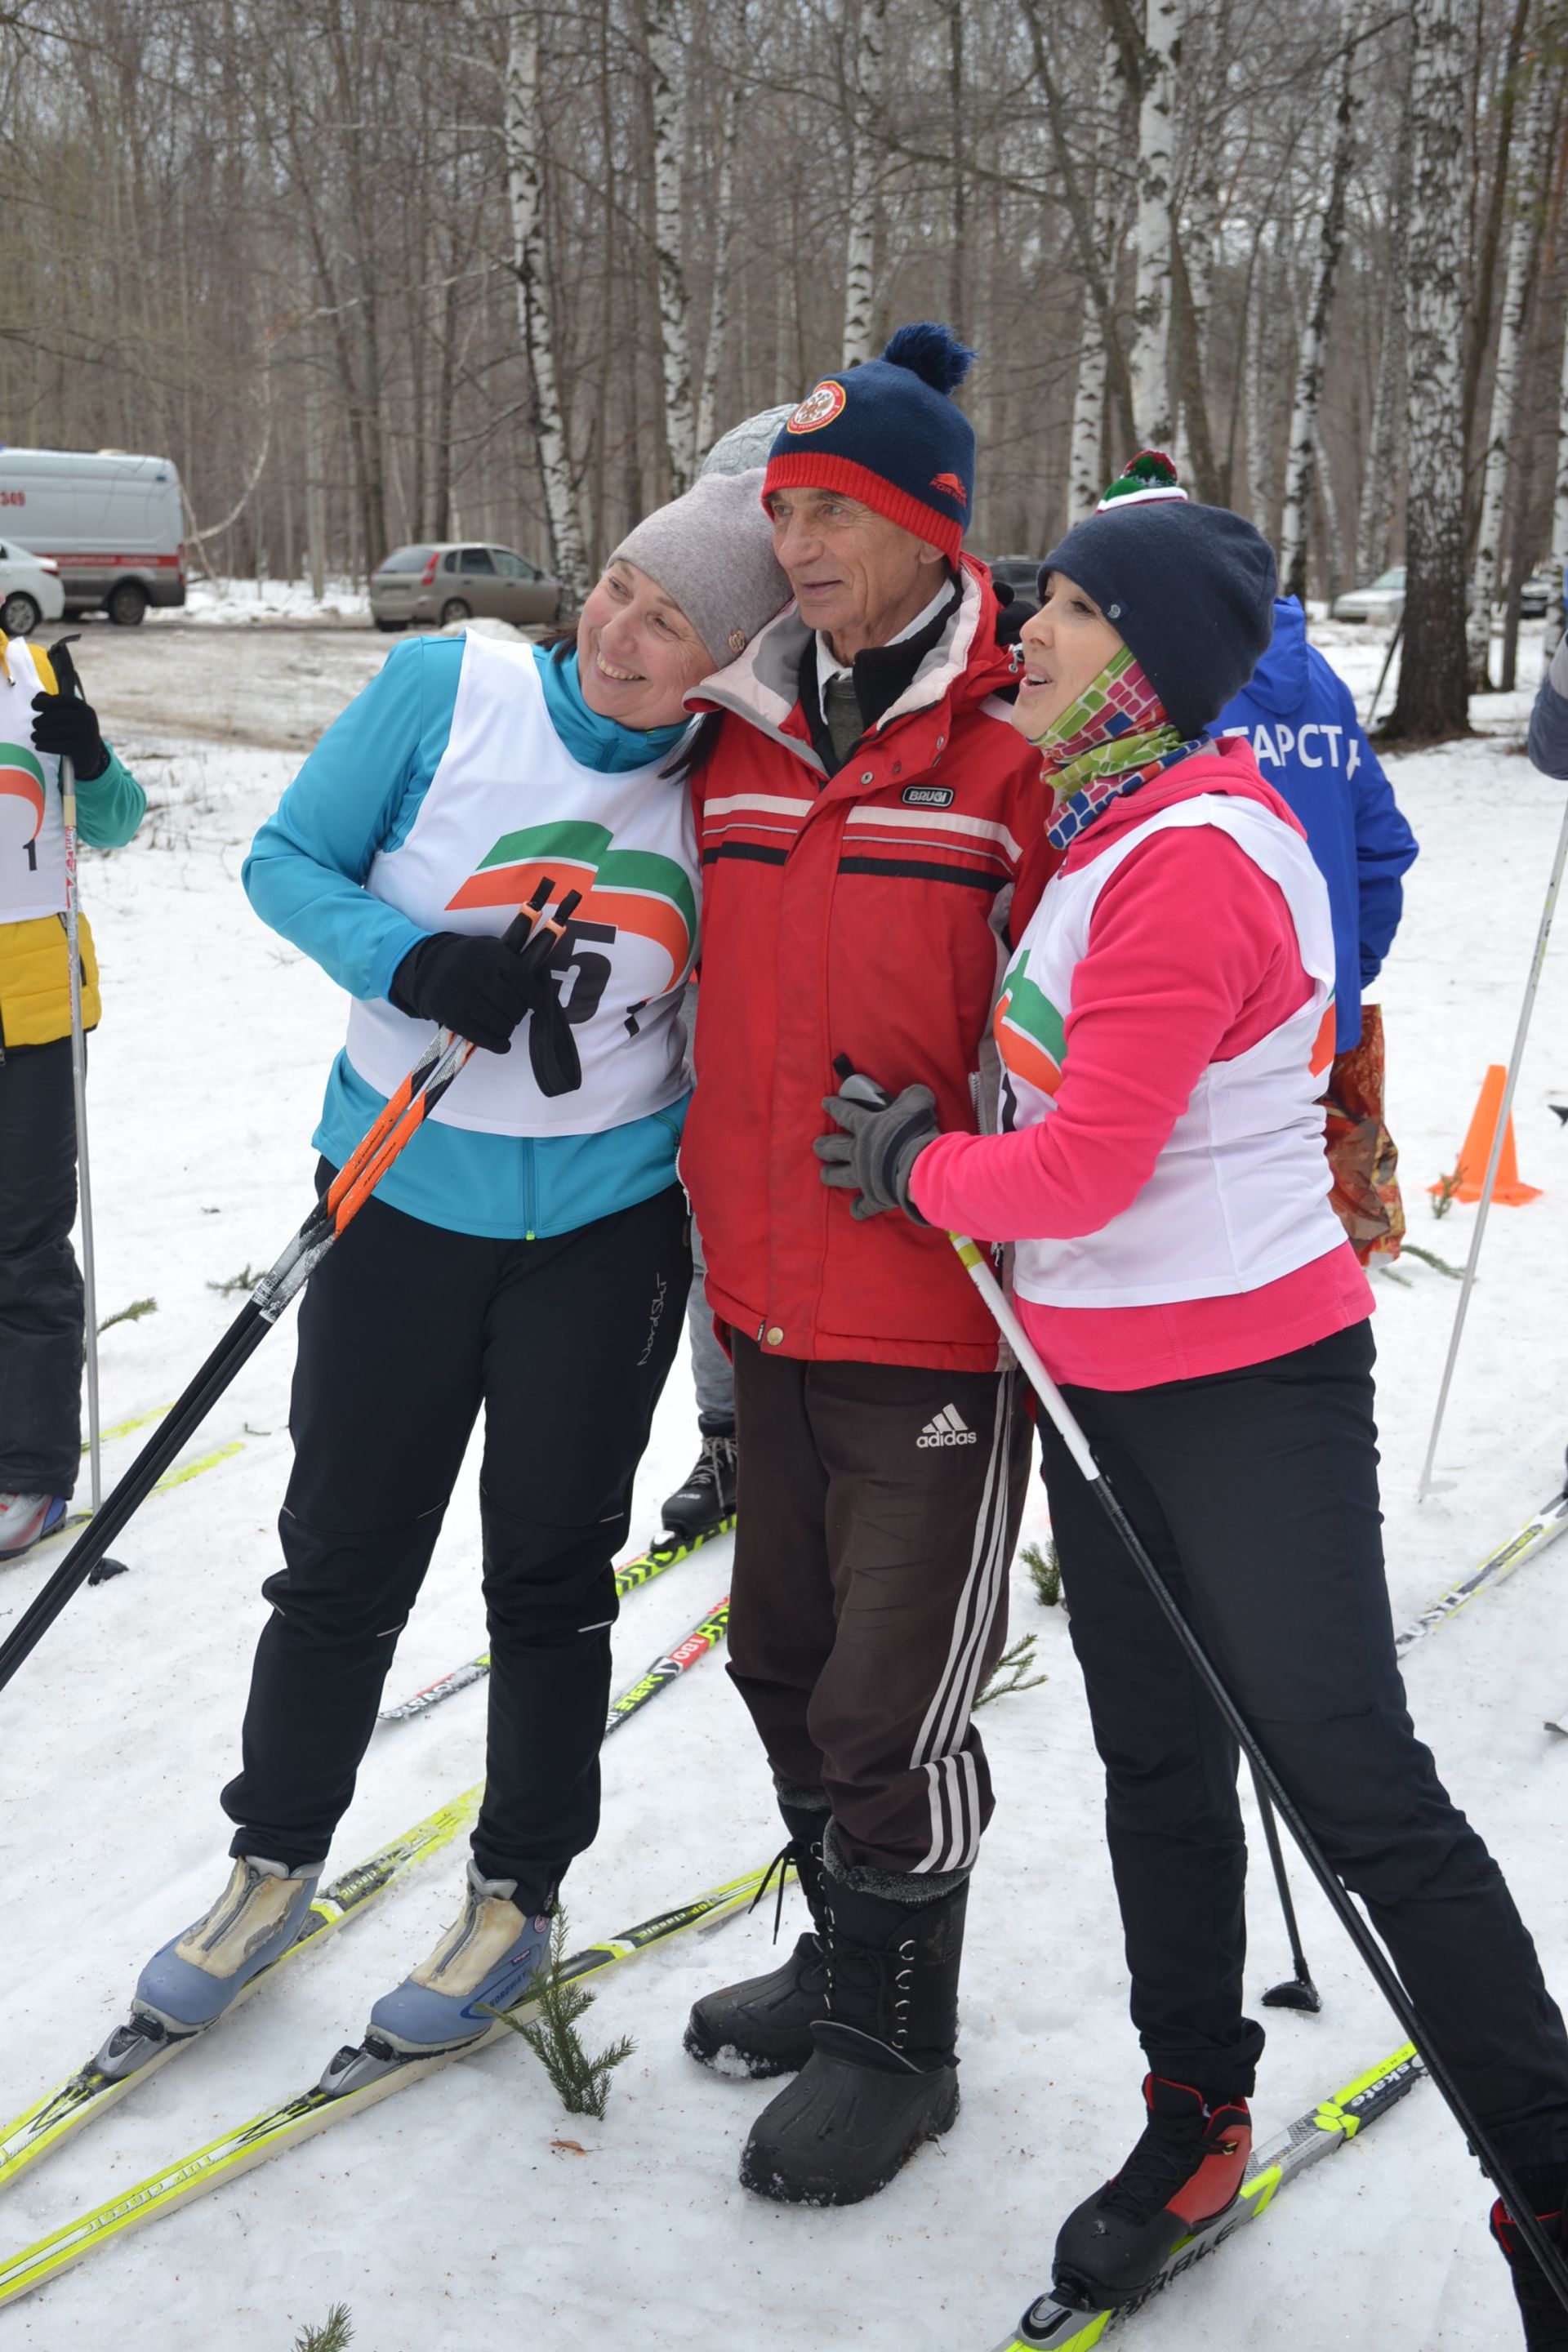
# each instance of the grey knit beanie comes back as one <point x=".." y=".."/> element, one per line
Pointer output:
<point x="712" y="550"/>
<point x="749" y="443"/>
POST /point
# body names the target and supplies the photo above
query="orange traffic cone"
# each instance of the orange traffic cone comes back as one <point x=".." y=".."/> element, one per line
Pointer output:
<point x="1469" y="1175"/>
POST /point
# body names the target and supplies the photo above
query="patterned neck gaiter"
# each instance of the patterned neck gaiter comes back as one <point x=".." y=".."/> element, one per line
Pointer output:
<point x="1113" y="738"/>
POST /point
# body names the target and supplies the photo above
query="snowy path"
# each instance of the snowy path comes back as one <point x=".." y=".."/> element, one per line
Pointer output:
<point x="447" y="2217"/>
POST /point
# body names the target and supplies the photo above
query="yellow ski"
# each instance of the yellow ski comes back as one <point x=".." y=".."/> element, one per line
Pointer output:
<point x="222" y="2160"/>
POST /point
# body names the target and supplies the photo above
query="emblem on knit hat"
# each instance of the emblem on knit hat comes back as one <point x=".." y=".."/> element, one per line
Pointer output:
<point x="951" y="487"/>
<point x="818" y="408"/>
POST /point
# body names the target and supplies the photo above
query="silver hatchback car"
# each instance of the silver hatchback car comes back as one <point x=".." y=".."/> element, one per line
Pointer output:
<point x="451" y="581"/>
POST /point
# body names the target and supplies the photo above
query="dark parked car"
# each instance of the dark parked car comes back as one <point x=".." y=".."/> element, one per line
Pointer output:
<point x="450" y="582"/>
<point x="1019" y="572"/>
<point x="1537" y="593"/>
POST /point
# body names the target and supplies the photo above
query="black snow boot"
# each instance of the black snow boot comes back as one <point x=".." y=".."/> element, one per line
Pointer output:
<point x="1545" y="2321"/>
<point x="708" y="1495"/>
<point x="883" y="2071"/>
<point x="1185" y="2171"/>
<point x="763" y="2026"/>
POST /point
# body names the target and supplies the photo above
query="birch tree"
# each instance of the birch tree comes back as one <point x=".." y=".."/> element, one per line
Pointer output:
<point x="1301" y="457"/>
<point x="1087" y="468"/>
<point x="526" y="199"/>
<point x="724" y="237"/>
<point x="1558" y="561"/>
<point x="667" y="79"/>
<point x="1531" y="157"/>
<point x="1432" y="699"/>
<point x="1379" y="485"/>
<point x="860" y="261"/>
<point x="1149" y="361"/>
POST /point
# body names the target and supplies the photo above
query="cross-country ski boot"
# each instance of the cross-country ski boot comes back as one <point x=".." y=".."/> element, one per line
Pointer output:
<point x="1185" y="2171"/>
<point x="708" y="1494"/>
<point x="483" y="1962"/>
<point x="1545" y="2321"/>
<point x="188" y="1983"/>
<point x="26" y="1520"/>
<point x="763" y="2025"/>
<point x="883" y="2072"/>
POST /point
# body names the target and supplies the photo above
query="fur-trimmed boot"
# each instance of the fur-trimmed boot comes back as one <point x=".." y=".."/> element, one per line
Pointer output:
<point x="883" y="2072"/>
<point x="763" y="2026"/>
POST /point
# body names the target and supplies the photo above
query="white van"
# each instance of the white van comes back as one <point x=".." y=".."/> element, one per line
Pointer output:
<point x="112" y="522"/>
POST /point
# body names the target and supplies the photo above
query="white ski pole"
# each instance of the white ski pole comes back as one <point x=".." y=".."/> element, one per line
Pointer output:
<point x="78" y="1089"/>
<point x="1526" y="1009"/>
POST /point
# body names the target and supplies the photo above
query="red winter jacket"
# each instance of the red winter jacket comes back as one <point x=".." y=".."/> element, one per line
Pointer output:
<point x="869" y="915"/>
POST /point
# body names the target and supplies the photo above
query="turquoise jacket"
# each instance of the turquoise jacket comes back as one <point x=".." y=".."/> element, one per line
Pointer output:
<point x="359" y="792"/>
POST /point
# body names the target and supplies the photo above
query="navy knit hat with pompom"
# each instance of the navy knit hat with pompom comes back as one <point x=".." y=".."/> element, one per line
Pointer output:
<point x="887" y="433"/>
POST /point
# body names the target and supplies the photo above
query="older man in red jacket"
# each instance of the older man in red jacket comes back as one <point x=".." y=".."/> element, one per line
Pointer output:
<point x="872" y="839"/>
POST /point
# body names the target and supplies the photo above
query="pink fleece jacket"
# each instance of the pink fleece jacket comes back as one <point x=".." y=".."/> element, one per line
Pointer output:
<point x="1192" y="958"/>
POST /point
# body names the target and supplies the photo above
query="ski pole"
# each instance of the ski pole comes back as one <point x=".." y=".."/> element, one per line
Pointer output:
<point x="1298" y="1992"/>
<point x="536" y="934"/>
<point x="1379" y="1967"/>
<point x="1495" y="1155"/>
<point x="79" y="1090"/>
<point x="1383" y="674"/>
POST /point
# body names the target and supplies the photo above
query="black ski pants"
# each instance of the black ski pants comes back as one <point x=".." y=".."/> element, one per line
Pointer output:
<point x="878" y="1509"/>
<point x="1256" y="1493"/>
<point x="406" y="1330"/>
<point x="41" y="1322"/>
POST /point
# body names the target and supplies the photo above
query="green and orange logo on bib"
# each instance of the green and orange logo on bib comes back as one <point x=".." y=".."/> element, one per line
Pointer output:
<point x="22" y="778"/>
<point x="1028" y="1031"/>
<point x="633" y="890"/>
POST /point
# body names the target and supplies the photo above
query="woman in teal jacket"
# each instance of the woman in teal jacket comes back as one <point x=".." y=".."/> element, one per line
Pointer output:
<point x="528" y="1252"/>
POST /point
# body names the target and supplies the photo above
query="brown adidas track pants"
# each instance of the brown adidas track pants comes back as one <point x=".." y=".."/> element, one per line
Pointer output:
<point x="878" y="1509"/>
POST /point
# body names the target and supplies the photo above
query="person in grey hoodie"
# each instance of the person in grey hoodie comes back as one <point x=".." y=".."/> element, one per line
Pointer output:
<point x="1549" y="719"/>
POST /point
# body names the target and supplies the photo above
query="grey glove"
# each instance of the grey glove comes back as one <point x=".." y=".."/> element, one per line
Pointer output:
<point x="878" y="1147"/>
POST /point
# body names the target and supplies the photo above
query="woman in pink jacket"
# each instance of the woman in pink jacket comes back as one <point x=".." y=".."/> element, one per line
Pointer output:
<point x="1164" y="1029"/>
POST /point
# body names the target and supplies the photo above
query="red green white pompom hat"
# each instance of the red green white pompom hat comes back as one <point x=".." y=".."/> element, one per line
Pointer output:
<point x="1151" y="479"/>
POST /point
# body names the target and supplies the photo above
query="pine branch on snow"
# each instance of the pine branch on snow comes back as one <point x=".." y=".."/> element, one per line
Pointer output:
<point x="335" y="2337"/>
<point x="1044" y="1573"/>
<point x="1011" y="1673"/>
<point x="582" y="2082"/>
<point x="131" y="1314"/>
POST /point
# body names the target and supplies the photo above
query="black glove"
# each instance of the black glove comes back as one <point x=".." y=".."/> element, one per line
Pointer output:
<point x="67" y="725"/>
<point x="879" y="1147"/>
<point x="482" y="989"/>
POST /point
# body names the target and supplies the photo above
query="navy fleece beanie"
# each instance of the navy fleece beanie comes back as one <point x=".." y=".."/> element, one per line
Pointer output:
<point x="887" y="433"/>
<point x="1189" y="588"/>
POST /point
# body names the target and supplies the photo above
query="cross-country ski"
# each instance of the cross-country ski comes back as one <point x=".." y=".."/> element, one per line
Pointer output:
<point x="339" y="2094"/>
<point x="667" y="1551"/>
<point x="791" y="785"/>
<point x="1049" y="2325"/>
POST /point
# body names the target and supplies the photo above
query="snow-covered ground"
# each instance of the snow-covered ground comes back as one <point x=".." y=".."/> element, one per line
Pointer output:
<point x="231" y="603"/>
<point x="453" y="2214"/>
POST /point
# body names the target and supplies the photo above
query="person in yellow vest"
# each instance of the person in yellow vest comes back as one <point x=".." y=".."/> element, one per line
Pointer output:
<point x="42" y="718"/>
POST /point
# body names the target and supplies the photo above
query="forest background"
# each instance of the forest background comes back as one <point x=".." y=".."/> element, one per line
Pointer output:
<point x="380" y="271"/>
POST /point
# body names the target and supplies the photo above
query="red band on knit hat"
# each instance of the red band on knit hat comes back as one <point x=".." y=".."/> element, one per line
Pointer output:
<point x="805" y="469"/>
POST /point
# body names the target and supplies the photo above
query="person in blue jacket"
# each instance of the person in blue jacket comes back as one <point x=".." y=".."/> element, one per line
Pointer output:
<point x="1297" y="714"/>
<point x="526" y="1255"/>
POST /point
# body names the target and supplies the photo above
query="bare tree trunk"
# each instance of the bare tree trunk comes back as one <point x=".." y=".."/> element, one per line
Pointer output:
<point x="1096" y="266"/>
<point x="958" y="253"/>
<point x="1530" y="154"/>
<point x="1559" y="564"/>
<point x="1301" y="462"/>
<point x="1433" y="701"/>
<point x="860" y="264"/>
<point x="525" y="197"/>
<point x="1257" y="386"/>
<point x="723" y="231"/>
<point x="1149" y="362"/>
<point x="1087" y="471"/>
<point x="667" y="73"/>
<point x="1380" y="483"/>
